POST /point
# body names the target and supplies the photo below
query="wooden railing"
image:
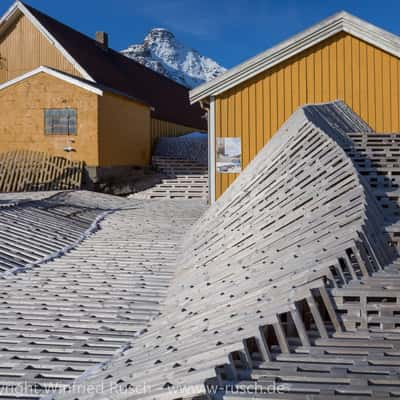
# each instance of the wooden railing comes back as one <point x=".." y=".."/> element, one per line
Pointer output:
<point x="25" y="170"/>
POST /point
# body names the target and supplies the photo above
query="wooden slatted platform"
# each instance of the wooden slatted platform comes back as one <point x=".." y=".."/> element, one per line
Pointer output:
<point x="291" y="279"/>
<point x="271" y="283"/>
<point x="32" y="231"/>
<point x="75" y="312"/>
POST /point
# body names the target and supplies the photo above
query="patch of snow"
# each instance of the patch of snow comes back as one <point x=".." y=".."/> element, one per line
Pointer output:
<point x="192" y="146"/>
<point x="163" y="53"/>
<point x="194" y="135"/>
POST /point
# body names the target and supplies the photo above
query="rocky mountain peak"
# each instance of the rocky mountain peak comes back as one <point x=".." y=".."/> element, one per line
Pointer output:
<point x="163" y="53"/>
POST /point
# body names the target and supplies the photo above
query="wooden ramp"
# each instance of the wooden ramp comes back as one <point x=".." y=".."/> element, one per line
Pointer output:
<point x="24" y="170"/>
<point x="290" y="279"/>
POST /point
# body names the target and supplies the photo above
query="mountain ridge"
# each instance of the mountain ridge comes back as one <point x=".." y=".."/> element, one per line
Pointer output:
<point x="163" y="53"/>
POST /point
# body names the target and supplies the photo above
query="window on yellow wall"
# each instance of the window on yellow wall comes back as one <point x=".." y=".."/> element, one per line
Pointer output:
<point x="60" y="121"/>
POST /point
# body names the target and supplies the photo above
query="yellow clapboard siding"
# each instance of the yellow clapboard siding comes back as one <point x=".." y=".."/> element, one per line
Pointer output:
<point x="317" y="77"/>
<point x="310" y="77"/>
<point x="394" y="91"/>
<point x="386" y="92"/>
<point x="245" y="127"/>
<point x="252" y="121"/>
<point x="342" y="67"/>
<point x="325" y="66"/>
<point x="287" y="82"/>
<point x="231" y="127"/>
<point x="363" y="81"/>
<point x="371" y="117"/>
<point x="238" y="132"/>
<point x="120" y="121"/>
<point x="267" y="108"/>
<point x="348" y="76"/>
<point x="224" y="177"/>
<point x="295" y="87"/>
<point x="355" y="70"/>
<point x="260" y="117"/>
<point x="24" y="48"/>
<point x="274" y="106"/>
<point x="302" y="81"/>
<point x="378" y="89"/>
<point x="280" y="97"/>
<point x="23" y="128"/>
<point x="333" y="71"/>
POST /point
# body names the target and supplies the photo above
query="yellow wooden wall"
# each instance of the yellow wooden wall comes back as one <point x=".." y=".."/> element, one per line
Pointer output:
<point x="22" y="118"/>
<point x="343" y="67"/>
<point x="161" y="128"/>
<point x="124" y="132"/>
<point x="111" y="130"/>
<point x="24" y="48"/>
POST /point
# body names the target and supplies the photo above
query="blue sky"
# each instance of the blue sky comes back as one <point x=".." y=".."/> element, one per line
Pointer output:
<point x="229" y="31"/>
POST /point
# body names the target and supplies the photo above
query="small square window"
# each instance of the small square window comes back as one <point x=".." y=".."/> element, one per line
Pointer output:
<point x="60" y="121"/>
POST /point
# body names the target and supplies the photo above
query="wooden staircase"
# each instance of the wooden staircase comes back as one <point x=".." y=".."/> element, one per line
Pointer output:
<point x="184" y="179"/>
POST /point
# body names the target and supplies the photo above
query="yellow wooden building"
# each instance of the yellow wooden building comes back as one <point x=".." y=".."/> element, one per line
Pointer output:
<point x="342" y="57"/>
<point x="66" y="94"/>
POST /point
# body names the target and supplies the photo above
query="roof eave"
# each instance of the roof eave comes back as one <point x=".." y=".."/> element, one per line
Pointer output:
<point x="340" y="22"/>
<point x="89" y="86"/>
<point x="9" y="16"/>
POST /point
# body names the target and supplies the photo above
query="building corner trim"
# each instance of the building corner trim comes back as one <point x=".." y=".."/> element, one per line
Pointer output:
<point x="211" y="150"/>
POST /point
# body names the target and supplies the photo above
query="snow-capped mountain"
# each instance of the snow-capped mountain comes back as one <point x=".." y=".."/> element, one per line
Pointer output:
<point x="161" y="52"/>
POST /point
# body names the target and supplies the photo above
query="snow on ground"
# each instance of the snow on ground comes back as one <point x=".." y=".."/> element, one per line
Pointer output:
<point x="192" y="146"/>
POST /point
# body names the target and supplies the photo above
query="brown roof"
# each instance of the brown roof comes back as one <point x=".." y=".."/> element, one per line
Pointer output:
<point x="112" y="69"/>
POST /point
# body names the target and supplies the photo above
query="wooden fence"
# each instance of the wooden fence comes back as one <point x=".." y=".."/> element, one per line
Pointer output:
<point x="24" y="170"/>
